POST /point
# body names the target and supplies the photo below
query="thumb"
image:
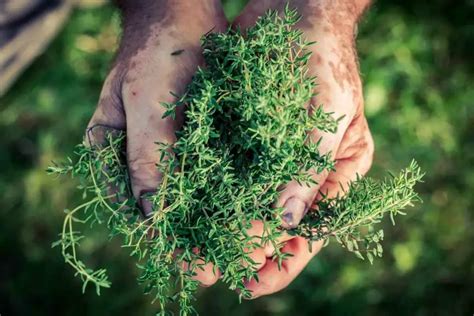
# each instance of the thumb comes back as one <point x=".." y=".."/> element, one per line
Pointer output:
<point x="353" y="157"/>
<point x="145" y="127"/>
<point x="297" y="198"/>
<point x="109" y="116"/>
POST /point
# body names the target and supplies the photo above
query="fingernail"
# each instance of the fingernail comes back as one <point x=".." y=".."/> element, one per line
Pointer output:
<point x="288" y="218"/>
<point x="145" y="204"/>
<point x="96" y="134"/>
<point x="295" y="210"/>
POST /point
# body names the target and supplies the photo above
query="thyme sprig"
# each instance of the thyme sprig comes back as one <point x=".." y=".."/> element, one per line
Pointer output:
<point x="245" y="134"/>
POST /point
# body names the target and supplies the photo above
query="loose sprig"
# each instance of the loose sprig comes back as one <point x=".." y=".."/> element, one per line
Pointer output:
<point x="245" y="134"/>
<point x="351" y="219"/>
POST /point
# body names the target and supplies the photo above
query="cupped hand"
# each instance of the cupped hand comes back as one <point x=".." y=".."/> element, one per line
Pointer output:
<point x="332" y="24"/>
<point x="158" y="55"/>
<point x="273" y="277"/>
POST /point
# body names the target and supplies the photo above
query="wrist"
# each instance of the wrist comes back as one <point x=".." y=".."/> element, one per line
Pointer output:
<point x="338" y="17"/>
<point x="351" y="9"/>
<point x="137" y="14"/>
<point x="139" y="8"/>
<point x="131" y="8"/>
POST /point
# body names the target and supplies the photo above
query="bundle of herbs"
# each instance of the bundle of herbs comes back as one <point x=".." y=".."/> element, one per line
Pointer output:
<point x="245" y="134"/>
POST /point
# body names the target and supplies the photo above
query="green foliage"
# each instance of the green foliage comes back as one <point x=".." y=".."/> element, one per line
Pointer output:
<point x="364" y="205"/>
<point x="238" y="146"/>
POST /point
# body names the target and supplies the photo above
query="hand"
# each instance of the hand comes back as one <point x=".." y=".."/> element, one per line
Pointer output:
<point x="159" y="53"/>
<point x="334" y="62"/>
<point x="271" y="277"/>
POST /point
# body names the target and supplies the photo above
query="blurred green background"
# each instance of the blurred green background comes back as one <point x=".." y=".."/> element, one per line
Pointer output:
<point x="417" y="67"/>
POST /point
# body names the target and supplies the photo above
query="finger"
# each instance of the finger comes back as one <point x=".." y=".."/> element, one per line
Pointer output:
<point x="146" y="127"/>
<point x="296" y="198"/>
<point x="354" y="150"/>
<point x="109" y="115"/>
<point x="257" y="230"/>
<point x="143" y="96"/>
<point x="108" y="119"/>
<point x="256" y="256"/>
<point x="259" y="251"/>
<point x="205" y="273"/>
<point x="271" y="279"/>
<point x="256" y="259"/>
<point x="354" y="158"/>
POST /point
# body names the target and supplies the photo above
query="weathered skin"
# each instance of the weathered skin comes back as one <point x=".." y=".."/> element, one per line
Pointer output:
<point x="145" y="71"/>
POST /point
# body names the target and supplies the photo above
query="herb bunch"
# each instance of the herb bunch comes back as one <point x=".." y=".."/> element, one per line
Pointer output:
<point x="245" y="134"/>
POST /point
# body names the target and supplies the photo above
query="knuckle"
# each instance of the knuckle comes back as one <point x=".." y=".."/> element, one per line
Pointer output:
<point x="143" y="174"/>
<point x="205" y="274"/>
<point x="141" y="166"/>
<point x="109" y="112"/>
<point x="110" y="99"/>
<point x="110" y="106"/>
<point x="257" y="259"/>
<point x="96" y="133"/>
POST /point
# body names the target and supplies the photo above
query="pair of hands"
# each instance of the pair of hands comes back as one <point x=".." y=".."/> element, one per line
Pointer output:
<point x="160" y="51"/>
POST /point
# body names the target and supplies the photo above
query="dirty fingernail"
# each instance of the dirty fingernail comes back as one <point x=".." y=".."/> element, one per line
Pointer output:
<point x="145" y="203"/>
<point x="295" y="210"/>
<point x="96" y="134"/>
<point x="146" y="206"/>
